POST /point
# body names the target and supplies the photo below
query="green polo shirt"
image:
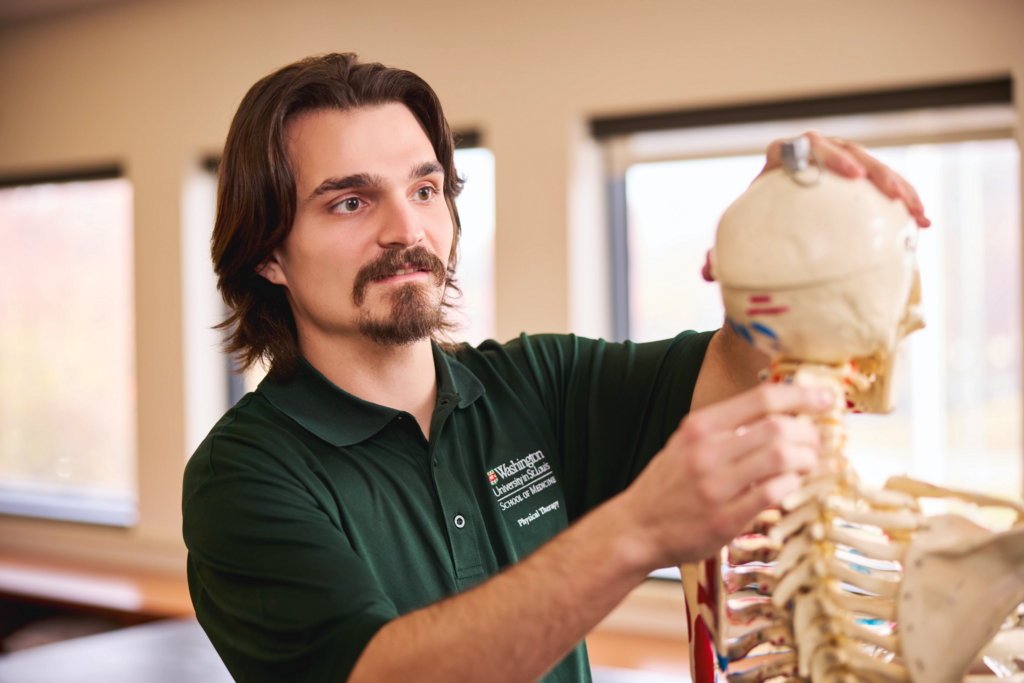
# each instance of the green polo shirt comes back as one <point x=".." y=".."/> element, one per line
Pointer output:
<point x="313" y="517"/>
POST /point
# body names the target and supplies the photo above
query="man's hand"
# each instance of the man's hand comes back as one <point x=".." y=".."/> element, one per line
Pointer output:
<point x="849" y="160"/>
<point x="724" y="464"/>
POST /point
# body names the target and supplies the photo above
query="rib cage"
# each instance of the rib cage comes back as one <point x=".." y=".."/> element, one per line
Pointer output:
<point x="814" y="588"/>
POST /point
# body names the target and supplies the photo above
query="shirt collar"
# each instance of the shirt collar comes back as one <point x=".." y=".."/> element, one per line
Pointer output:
<point x="343" y="419"/>
<point x="455" y="377"/>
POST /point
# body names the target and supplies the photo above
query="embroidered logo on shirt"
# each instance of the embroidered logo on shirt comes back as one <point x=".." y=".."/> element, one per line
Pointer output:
<point x="542" y="510"/>
<point x="518" y="479"/>
<point x="515" y="466"/>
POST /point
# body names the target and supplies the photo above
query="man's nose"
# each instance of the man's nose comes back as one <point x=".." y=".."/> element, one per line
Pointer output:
<point x="402" y="227"/>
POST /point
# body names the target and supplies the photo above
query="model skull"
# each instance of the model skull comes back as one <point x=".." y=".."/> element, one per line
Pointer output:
<point x="816" y="267"/>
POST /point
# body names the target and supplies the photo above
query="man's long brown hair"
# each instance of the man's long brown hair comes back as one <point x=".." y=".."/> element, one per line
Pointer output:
<point x="256" y="194"/>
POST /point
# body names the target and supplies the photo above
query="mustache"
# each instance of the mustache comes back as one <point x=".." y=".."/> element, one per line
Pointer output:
<point x="393" y="260"/>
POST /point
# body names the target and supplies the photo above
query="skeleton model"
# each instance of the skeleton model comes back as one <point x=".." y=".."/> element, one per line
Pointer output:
<point x="846" y="583"/>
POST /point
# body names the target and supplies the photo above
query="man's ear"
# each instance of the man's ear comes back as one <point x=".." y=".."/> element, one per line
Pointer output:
<point x="272" y="270"/>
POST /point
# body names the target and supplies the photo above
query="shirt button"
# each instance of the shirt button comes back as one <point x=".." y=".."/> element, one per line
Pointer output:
<point x="460" y="521"/>
<point x="435" y="462"/>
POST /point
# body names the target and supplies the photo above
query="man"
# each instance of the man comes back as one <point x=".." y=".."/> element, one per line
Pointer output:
<point x="388" y="507"/>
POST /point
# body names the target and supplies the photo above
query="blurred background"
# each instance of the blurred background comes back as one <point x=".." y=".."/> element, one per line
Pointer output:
<point x="601" y="141"/>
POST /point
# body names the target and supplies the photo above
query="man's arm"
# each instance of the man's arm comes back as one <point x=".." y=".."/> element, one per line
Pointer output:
<point x="695" y="495"/>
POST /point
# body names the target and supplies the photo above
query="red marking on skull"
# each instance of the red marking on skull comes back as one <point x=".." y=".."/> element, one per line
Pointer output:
<point x="773" y="310"/>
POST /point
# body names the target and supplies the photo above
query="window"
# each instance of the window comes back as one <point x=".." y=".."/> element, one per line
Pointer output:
<point x="67" y="350"/>
<point x="475" y="273"/>
<point x="958" y="415"/>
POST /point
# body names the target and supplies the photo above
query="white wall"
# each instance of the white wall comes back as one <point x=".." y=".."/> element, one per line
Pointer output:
<point x="153" y="84"/>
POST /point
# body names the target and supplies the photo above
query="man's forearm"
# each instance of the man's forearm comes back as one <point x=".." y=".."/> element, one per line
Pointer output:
<point x="516" y="626"/>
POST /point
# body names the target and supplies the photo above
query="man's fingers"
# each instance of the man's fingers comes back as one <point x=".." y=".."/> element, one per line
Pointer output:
<point x="738" y="514"/>
<point x="915" y="206"/>
<point x="752" y="405"/>
<point x="836" y="157"/>
<point x="883" y="177"/>
<point x="890" y="183"/>
<point x="771" y="448"/>
<point x="771" y="431"/>
<point x="706" y="270"/>
<point x="768" y="462"/>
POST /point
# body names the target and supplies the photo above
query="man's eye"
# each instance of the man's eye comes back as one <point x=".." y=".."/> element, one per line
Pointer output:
<point x="348" y="205"/>
<point x="425" y="193"/>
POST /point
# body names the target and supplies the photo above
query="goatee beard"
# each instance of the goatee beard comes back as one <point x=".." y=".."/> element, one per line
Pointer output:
<point x="413" y="315"/>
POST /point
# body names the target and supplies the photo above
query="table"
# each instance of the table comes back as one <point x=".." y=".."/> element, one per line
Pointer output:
<point x="168" y="651"/>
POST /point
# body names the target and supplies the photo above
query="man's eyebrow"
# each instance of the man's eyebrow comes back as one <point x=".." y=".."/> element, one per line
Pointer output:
<point x="425" y="169"/>
<point x="360" y="180"/>
<point x="364" y="180"/>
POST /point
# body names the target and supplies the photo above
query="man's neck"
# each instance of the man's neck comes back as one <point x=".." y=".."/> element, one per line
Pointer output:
<point x="400" y="377"/>
<point x="730" y="366"/>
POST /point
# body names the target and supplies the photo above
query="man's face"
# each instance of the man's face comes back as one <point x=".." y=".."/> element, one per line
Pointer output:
<point x="367" y="252"/>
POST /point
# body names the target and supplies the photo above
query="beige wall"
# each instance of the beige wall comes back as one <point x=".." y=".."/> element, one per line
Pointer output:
<point x="153" y="84"/>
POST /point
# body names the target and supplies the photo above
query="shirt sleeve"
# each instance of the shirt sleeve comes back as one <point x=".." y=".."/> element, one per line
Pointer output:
<point x="273" y="577"/>
<point x="612" y="406"/>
